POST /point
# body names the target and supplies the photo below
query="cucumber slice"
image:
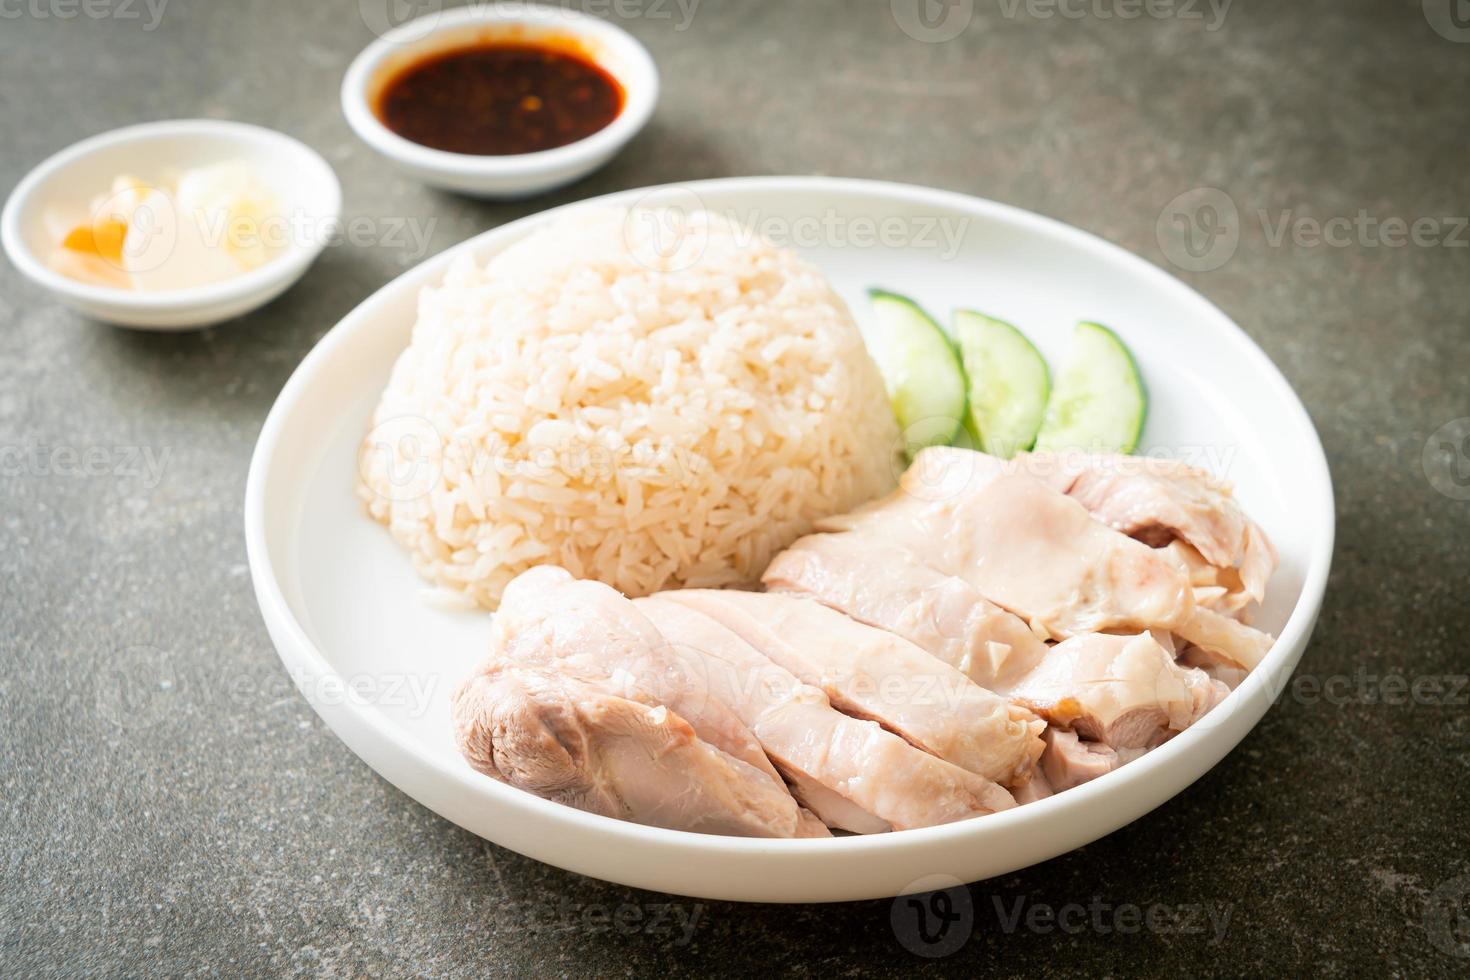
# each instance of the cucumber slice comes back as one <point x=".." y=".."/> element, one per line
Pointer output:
<point x="1009" y="383"/>
<point x="920" y="369"/>
<point x="1099" y="403"/>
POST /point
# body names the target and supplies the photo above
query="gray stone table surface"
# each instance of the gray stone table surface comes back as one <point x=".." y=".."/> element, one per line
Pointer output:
<point x="171" y="805"/>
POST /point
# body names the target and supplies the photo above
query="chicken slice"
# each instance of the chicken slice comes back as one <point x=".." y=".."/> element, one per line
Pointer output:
<point x="1156" y="500"/>
<point x="940" y="481"/>
<point x="1240" y="644"/>
<point x="1038" y="787"/>
<point x="566" y="740"/>
<point x="1069" y="761"/>
<point x="1123" y="691"/>
<point x="548" y="618"/>
<point x="810" y="825"/>
<point x="755" y="688"/>
<point x="1215" y="667"/>
<point x="810" y="741"/>
<point x="871" y="673"/>
<point x="880" y="583"/>
<point x="833" y="809"/>
<point x="1006" y="528"/>
<point x="1219" y="589"/>
<point x="1039" y="554"/>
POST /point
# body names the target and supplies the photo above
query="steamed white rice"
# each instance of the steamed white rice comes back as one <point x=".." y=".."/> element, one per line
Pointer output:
<point x="645" y="399"/>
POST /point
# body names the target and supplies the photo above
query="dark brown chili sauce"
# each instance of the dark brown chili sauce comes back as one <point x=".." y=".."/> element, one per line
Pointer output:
<point x="499" y="98"/>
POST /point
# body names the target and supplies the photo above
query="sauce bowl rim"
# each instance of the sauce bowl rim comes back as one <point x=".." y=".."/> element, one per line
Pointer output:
<point x="640" y="84"/>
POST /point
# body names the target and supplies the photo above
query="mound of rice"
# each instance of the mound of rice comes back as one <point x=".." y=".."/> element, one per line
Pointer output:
<point x="646" y="398"/>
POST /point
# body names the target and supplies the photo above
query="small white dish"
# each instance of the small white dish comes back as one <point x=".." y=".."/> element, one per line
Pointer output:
<point x="305" y="185"/>
<point x="347" y="615"/>
<point x="512" y="176"/>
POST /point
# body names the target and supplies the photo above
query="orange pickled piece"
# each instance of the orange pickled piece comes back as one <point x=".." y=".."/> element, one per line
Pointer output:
<point x="103" y="238"/>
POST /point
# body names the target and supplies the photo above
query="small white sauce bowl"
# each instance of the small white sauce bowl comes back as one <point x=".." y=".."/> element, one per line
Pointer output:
<point x="303" y="183"/>
<point x="507" y="176"/>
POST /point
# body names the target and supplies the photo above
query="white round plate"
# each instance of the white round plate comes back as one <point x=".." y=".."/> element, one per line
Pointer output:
<point x="378" y="663"/>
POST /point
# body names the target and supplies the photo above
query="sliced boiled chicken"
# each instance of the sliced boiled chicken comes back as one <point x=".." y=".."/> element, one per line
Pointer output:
<point x="565" y="739"/>
<point x="1215" y="667"/>
<point x="1038" y="787"/>
<point x="832" y="809"/>
<point x="1240" y="644"/>
<point x="881" y="583"/>
<point x="1034" y="551"/>
<point x="1122" y="691"/>
<point x="941" y="481"/>
<point x="1039" y="554"/>
<point x="810" y="825"/>
<point x="811" y="741"/>
<point x="892" y="675"/>
<point x="1215" y="588"/>
<point x="1020" y="542"/>
<point x="1069" y="761"/>
<point x="1156" y="500"/>
<point x="1221" y="604"/>
<point x="871" y="673"/>
<point x="548" y="618"/>
<point x="767" y="698"/>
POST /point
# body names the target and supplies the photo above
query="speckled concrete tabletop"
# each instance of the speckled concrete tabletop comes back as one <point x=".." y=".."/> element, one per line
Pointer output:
<point x="225" y="830"/>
